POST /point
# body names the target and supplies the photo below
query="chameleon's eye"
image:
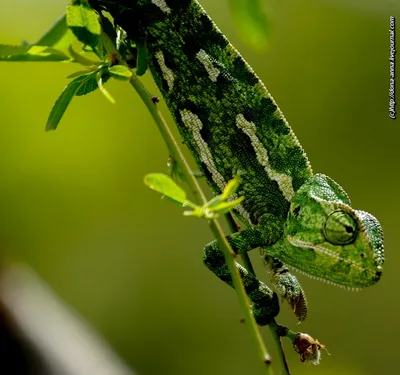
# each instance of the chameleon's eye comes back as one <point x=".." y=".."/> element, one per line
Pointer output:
<point x="340" y="228"/>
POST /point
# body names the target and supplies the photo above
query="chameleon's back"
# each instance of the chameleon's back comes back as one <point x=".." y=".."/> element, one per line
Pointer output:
<point x="223" y="111"/>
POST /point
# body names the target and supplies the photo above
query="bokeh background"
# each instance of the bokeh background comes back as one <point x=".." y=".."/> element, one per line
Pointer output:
<point x="73" y="204"/>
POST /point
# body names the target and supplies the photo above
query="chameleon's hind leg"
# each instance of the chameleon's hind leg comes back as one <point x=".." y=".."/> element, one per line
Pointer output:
<point x="265" y="301"/>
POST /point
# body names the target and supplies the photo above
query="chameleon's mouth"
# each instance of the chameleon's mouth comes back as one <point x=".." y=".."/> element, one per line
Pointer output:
<point x="326" y="281"/>
<point x="324" y="251"/>
<point x="375" y="274"/>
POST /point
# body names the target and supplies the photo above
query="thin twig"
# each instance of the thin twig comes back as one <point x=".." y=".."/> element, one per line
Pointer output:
<point x="273" y="326"/>
<point x="198" y="193"/>
<point x="215" y="227"/>
<point x="173" y="148"/>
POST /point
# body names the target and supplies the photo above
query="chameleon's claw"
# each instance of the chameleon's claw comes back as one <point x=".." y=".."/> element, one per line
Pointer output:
<point x="287" y="287"/>
<point x="292" y="292"/>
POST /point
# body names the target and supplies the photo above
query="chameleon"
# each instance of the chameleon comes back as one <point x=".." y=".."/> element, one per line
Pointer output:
<point x="232" y="126"/>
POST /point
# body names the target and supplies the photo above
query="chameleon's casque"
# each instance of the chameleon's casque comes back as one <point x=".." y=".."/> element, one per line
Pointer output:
<point x="232" y="125"/>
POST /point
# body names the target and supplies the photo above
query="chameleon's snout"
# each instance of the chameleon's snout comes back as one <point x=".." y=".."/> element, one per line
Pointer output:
<point x="372" y="233"/>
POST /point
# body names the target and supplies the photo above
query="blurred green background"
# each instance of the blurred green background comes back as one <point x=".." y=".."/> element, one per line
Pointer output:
<point x="73" y="204"/>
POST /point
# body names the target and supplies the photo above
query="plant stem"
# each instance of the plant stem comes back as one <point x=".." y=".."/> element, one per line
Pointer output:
<point x="274" y="331"/>
<point x="291" y="335"/>
<point x="172" y="145"/>
<point x="229" y="254"/>
<point x="273" y="326"/>
<point x="242" y="296"/>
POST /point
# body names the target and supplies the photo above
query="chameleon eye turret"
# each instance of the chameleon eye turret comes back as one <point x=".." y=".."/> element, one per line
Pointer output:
<point x="340" y="228"/>
<point x="344" y="245"/>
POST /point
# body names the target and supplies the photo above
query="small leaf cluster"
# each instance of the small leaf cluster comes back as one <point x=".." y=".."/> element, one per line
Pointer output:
<point x="219" y="205"/>
<point x="115" y="54"/>
<point x="104" y="52"/>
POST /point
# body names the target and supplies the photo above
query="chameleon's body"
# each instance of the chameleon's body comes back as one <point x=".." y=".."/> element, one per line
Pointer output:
<point x="232" y="126"/>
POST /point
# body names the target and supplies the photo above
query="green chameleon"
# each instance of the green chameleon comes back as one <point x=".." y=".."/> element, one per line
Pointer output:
<point x="232" y="126"/>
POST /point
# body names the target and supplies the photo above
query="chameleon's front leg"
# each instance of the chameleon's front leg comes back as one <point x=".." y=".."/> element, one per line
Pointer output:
<point x="286" y="285"/>
<point x="265" y="301"/>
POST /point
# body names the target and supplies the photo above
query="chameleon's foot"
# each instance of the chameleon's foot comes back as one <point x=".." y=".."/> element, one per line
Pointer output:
<point x="286" y="286"/>
<point x="264" y="311"/>
<point x="265" y="301"/>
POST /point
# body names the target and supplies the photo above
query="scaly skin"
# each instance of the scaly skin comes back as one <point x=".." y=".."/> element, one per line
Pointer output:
<point x="232" y="125"/>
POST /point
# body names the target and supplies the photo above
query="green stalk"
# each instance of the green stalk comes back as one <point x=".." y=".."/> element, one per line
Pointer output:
<point x="172" y="145"/>
<point x="273" y="326"/>
<point x="242" y="296"/>
<point x="215" y="227"/>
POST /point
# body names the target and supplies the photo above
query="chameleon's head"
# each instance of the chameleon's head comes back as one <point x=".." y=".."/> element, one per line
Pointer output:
<point x="330" y="240"/>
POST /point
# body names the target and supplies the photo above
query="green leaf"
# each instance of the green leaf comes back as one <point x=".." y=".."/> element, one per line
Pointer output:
<point x="142" y="55"/>
<point x="108" y="36"/>
<point x="198" y="212"/>
<point x="214" y="201"/>
<point x="68" y="38"/>
<point x="121" y="39"/>
<point x="84" y="22"/>
<point x="31" y="53"/>
<point x="82" y="85"/>
<point x="231" y="187"/>
<point x="62" y="103"/>
<point x="120" y="72"/>
<point x="103" y="90"/>
<point x="108" y="48"/>
<point x="108" y="28"/>
<point x="57" y="31"/>
<point x="8" y="50"/>
<point x="81" y="73"/>
<point x="166" y="186"/>
<point x="225" y="207"/>
<point x="90" y="82"/>
<point x="251" y="20"/>
<point x="80" y="58"/>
